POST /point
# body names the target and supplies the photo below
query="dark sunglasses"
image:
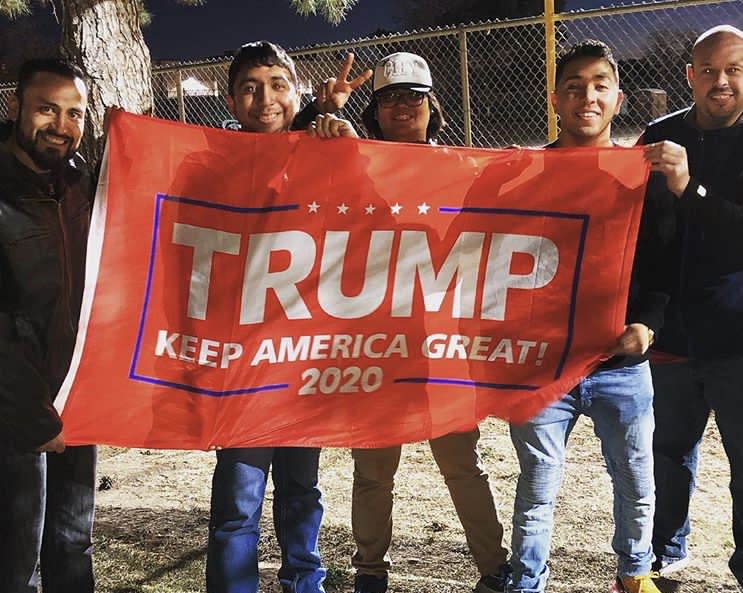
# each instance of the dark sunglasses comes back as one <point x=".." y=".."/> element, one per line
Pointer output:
<point x="392" y="98"/>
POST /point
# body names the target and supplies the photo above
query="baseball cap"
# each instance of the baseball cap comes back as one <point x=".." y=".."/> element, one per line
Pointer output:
<point x="402" y="69"/>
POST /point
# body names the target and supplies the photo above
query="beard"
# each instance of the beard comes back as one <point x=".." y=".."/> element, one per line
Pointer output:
<point x="44" y="156"/>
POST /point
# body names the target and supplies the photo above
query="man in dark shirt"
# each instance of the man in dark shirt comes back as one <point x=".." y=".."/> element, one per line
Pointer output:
<point x="45" y="198"/>
<point x="263" y="96"/>
<point x="699" y="153"/>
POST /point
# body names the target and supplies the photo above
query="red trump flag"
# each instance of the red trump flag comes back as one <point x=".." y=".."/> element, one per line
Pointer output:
<point x="276" y="289"/>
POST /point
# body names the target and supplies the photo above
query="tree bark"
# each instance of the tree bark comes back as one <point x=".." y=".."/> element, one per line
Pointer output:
<point x="104" y="38"/>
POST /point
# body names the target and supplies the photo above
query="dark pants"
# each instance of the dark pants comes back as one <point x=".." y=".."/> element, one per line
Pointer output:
<point x="685" y="393"/>
<point x="50" y="502"/>
<point x="238" y="488"/>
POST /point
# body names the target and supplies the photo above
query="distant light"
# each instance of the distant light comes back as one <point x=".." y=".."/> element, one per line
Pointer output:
<point x="193" y="87"/>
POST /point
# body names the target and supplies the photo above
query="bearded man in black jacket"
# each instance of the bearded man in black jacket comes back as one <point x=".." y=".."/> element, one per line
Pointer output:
<point x="46" y="491"/>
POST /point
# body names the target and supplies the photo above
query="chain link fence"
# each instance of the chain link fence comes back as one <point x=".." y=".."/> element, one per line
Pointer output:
<point x="5" y="91"/>
<point x="490" y="77"/>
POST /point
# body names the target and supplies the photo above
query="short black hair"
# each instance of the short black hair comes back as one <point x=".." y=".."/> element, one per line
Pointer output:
<point x="259" y="53"/>
<point x="589" y="48"/>
<point x="57" y="66"/>
<point x="436" y="123"/>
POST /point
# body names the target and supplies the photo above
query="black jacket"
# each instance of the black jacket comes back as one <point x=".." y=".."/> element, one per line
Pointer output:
<point x="705" y="257"/>
<point x="43" y="233"/>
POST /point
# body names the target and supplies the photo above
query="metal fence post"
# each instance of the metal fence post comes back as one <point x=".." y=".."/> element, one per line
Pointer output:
<point x="179" y="94"/>
<point x="464" y="71"/>
<point x="549" y="64"/>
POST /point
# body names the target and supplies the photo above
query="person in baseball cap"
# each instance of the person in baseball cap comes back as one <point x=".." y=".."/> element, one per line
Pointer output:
<point x="403" y="107"/>
<point x="402" y="70"/>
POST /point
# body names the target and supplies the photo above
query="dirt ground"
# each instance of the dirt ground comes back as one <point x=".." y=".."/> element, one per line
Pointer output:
<point x="151" y="525"/>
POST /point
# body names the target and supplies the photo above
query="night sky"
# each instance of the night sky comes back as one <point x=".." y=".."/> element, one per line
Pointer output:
<point x="185" y="32"/>
<point x="188" y="32"/>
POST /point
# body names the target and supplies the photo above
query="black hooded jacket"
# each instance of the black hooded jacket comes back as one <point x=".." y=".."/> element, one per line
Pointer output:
<point x="44" y="222"/>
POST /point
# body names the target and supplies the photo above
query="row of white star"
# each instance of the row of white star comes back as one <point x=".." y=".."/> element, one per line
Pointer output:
<point x="396" y="208"/>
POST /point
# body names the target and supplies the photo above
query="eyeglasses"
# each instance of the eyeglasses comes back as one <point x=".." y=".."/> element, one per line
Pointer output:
<point x="392" y="98"/>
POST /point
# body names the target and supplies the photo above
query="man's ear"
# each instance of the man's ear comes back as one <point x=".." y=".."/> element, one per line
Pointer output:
<point x="230" y="104"/>
<point x="690" y="75"/>
<point x="13" y="107"/>
<point x="553" y="100"/>
<point x="620" y="100"/>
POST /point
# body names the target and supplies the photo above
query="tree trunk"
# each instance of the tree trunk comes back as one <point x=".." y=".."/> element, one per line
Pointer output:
<point x="104" y="38"/>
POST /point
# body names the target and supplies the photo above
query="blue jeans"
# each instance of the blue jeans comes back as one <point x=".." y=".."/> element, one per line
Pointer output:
<point x="685" y="393"/>
<point x="238" y="489"/>
<point x="619" y="401"/>
<point x="49" y="504"/>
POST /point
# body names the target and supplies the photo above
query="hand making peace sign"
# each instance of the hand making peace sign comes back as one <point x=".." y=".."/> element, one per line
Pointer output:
<point x="331" y="95"/>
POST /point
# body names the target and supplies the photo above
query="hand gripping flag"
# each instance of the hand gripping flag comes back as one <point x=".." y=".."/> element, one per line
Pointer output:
<point x="276" y="289"/>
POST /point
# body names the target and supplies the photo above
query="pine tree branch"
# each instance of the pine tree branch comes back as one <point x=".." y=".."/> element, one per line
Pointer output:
<point x="333" y="11"/>
<point x="14" y="8"/>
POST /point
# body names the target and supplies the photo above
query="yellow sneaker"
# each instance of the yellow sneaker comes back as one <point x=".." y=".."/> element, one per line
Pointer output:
<point x="641" y="584"/>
